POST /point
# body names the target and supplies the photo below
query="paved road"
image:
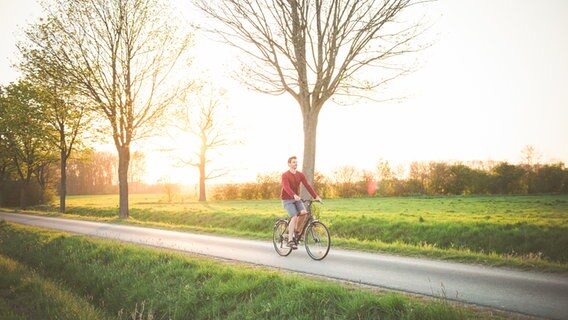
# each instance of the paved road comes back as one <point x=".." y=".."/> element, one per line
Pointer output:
<point x="531" y="293"/>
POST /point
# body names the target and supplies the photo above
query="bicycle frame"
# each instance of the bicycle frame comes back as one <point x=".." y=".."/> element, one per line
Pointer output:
<point x="309" y="219"/>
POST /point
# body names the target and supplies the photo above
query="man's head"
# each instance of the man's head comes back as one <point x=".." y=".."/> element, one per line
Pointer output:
<point x="293" y="162"/>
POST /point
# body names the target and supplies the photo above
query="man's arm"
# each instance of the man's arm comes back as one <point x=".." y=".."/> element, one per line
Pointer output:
<point x="309" y="188"/>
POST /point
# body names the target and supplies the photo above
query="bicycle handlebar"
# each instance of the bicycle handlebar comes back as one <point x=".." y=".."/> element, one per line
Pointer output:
<point x="312" y="200"/>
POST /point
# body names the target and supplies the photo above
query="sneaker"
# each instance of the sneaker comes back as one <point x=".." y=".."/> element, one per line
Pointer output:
<point x="292" y="245"/>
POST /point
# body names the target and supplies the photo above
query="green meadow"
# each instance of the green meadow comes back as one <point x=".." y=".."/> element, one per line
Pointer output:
<point x="528" y="232"/>
<point x="46" y="274"/>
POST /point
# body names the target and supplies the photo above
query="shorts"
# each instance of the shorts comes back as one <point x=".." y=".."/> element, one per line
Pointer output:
<point x="293" y="207"/>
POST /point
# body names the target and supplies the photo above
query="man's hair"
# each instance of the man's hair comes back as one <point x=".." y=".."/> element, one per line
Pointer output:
<point x="291" y="158"/>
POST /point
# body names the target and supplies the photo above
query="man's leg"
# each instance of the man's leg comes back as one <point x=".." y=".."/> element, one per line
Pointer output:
<point x="292" y="227"/>
<point x="300" y="221"/>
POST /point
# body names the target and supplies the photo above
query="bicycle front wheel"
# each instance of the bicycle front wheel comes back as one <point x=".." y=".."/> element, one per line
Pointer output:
<point x="317" y="240"/>
<point x="280" y="238"/>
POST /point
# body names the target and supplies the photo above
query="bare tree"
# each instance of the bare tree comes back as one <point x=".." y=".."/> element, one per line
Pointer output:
<point x="315" y="50"/>
<point x="212" y="131"/>
<point x="530" y="156"/>
<point x="384" y="170"/>
<point x="120" y="54"/>
<point x="170" y="188"/>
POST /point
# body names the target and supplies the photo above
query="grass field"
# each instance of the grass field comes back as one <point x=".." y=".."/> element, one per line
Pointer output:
<point x="520" y="231"/>
<point x="53" y="275"/>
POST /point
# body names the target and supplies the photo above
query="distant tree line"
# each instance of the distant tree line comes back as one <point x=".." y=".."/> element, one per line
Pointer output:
<point x="96" y="173"/>
<point x="90" y="172"/>
<point x="423" y="178"/>
<point x="31" y="157"/>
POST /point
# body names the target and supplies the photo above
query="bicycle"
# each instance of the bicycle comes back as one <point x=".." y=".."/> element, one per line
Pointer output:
<point x="313" y="233"/>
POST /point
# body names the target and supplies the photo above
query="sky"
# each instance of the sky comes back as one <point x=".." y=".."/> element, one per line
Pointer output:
<point x="493" y="81"/>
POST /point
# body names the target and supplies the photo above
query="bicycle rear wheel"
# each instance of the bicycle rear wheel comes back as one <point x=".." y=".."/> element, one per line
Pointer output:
<point x="317" y="240"/>
<point x="280" y="238"/>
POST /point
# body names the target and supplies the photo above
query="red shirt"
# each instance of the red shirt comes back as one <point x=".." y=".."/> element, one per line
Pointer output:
<point x="291" y="185"/>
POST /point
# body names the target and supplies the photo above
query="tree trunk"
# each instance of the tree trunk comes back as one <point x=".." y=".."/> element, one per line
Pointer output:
<point x="308" y="163"/>
<point x="202" y="196"/>
<point x="123" y="162"/>
<point x="63" y="185"/>
<point x="2" y="174"/>
<point x="24" y="194"/>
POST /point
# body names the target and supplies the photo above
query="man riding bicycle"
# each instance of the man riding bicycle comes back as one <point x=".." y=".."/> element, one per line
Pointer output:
<point x="291" y="200"/>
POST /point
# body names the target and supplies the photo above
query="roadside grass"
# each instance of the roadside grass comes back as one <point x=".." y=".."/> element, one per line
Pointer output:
<point x="26" y="295"/>
<point x="528" y="232"/>
<point x="125" y="281"/>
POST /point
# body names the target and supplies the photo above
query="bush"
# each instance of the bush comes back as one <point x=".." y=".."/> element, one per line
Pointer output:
<point x="11" y="194"/>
